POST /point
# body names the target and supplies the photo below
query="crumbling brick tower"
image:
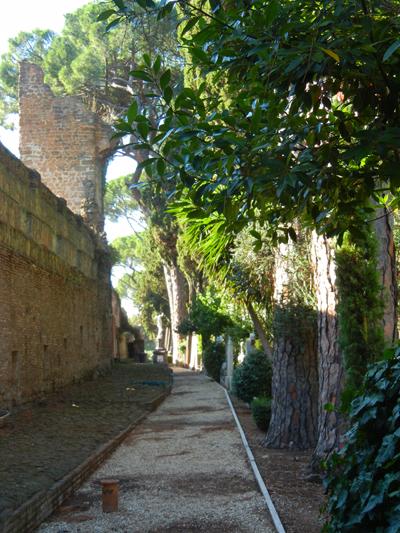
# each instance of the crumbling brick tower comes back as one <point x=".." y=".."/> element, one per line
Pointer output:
<point x="66" y="143"/>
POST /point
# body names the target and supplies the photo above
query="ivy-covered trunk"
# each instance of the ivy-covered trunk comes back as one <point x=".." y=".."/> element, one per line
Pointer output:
<point x="360" y="308"/>
<point x="386" y="260"/>
<point x="177" y="297"/>
<point x="330" y="367"/>
<point x="295" y="376"/>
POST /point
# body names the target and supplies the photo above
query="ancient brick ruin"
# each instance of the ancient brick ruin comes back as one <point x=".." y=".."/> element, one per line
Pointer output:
<point x="65" y="142"/>
<point x="55" y="290"/>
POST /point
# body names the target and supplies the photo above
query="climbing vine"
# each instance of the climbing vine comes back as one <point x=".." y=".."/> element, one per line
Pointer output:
<point x="360" y="309"/>
<point x="363" y="479"/>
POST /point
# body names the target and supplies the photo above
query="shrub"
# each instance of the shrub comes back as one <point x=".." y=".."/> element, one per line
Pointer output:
<point x="213" y="357"/>
<point x="363" y="478"/>
<point x="253" y="377"/>
<point x="261" y="411"/>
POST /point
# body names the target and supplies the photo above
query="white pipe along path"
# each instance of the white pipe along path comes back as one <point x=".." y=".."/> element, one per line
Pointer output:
<point x="271" y="507"/>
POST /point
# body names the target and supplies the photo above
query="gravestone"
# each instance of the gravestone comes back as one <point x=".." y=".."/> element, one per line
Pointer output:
<point x="251" y="344"/>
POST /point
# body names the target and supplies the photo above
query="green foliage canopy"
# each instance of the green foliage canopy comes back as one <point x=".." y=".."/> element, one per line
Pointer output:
<point x="139" y="254"/>
<point x="311" y="130"/>
<point x="32" y="46"/>
<point x="210" y="315"/>
<point x="85" y="60"/>
<point x="144" y="282"/>
<point x="119" y="203"/>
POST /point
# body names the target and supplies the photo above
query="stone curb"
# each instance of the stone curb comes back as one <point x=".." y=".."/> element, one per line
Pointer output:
<point x="32" y="513"/>
<point x="260" y="482"/>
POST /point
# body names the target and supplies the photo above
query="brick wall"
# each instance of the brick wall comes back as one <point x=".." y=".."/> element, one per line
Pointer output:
<point x="55" y="292"/>
<point x="65" y="142"/>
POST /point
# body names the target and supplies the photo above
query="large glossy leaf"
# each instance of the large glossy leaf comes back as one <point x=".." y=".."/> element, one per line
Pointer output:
<point x="391" y="50"/>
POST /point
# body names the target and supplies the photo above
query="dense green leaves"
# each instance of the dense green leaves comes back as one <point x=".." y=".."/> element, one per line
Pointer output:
<point x="360" y="309"/>
<point x="305" y="122"/>
<point x="211" y="316"/>
<point x="363" y="478"/>
<point x="213" y="357"/>
<point x="253" y="377"/>
<point x="391" y="50"/>
<point x="261" y="411"/>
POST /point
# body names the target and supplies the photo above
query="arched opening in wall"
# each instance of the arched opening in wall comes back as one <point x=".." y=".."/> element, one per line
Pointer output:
<point x="120" y="166"/>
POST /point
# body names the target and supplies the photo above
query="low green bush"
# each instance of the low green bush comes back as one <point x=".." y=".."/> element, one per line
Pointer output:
<point x="363" y="478"/>
<point x="261" y="411"/>
<point x="253" y="377"/>
<point x="213" y="357"/>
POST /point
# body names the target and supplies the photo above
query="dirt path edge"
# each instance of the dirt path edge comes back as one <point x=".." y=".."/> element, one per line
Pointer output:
<point x="34" y="511"/>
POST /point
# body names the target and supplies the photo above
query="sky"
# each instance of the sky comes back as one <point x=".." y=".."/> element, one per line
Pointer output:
<point x="27" y="15"/>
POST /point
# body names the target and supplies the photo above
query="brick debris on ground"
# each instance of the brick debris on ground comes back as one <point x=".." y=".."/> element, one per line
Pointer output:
<point x="41" y="443"/>
<point x="184" y="469"/>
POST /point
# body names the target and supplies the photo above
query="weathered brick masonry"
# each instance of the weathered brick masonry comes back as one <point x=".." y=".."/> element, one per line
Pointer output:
<point x="55" y="293"/>
<point x="65" y="142"/>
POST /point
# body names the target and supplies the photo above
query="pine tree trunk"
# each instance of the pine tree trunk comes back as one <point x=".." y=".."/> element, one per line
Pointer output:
<point x="387" y="271"/>
<point x="330" y="366"/>
<point x="295" y="375"/>
<point x="294" y="412"/>
<point x="177" y="297"/>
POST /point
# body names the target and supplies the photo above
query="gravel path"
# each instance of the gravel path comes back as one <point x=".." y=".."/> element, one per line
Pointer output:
<point x="183" y="470"/>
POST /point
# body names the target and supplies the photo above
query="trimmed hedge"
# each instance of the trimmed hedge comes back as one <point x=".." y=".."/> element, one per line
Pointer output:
<point x="261" y="411"/>
<point x="253" y="377"/>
